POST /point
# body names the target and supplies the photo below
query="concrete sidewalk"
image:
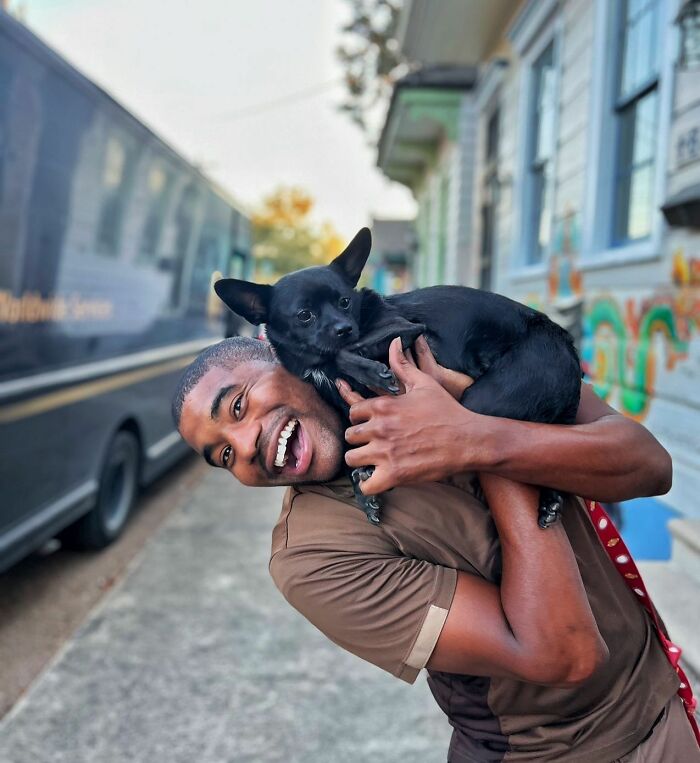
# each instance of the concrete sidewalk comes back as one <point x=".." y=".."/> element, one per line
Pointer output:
<point x="196" y="658"/>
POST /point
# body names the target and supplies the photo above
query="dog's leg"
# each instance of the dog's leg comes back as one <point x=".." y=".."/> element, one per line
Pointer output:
<point x="551" y="501"/>
<point x="375" y="344"/>
<point x="370" y="504"/>
<point x="509" y="388"/>
<point x="371" y="373"/>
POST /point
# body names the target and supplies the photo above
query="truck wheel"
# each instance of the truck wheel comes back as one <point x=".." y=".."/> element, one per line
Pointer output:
<point x="117" y="490"/>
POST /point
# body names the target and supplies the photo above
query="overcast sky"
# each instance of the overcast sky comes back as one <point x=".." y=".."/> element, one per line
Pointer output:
<point x="186" y="68"/>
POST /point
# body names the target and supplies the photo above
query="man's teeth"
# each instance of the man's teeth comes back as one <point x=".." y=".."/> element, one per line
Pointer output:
<point x="281" y="458"/>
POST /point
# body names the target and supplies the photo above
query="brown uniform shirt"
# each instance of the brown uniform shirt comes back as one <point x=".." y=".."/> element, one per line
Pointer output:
<point x="383" y="593"/>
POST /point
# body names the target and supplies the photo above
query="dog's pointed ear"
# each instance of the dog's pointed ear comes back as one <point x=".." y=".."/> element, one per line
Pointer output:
<point x="352" y="259"/>
<point x="250" y="300"/>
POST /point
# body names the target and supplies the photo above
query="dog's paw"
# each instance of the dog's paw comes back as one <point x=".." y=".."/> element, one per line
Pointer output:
<point x="380" y="376"/>
<point x="551" y="504"/>
<point x="372" y="515"/>
<point x="370" y="504"/>
<point x="362" y="474"/>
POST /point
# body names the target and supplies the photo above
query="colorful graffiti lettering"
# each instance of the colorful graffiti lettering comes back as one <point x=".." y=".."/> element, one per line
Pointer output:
<point x="685" y="271"/>
<point x="620" y="339"/>
<point x="618" y="347"/>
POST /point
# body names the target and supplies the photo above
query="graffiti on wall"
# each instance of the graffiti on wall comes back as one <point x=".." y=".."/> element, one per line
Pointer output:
<point x="563" y="276"/>
<point x="621" y="339"/>
<point x="620" y="335"/>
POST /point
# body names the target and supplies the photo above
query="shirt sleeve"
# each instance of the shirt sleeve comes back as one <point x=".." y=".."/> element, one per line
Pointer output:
<point x="386" y="609"/>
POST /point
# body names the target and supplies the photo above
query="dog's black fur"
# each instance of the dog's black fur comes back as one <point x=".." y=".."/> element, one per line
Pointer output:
<point x="322" y="328"/>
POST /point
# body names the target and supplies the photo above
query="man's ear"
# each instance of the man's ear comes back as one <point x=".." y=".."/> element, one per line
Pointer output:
<point x="250" y="300"/>
<point x="349" y="263"/>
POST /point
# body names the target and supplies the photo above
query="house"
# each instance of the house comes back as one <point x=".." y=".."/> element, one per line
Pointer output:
<point x="393" y="244"/>
<point x="553" y="147"/>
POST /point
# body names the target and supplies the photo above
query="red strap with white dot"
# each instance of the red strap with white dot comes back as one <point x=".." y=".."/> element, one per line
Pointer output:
<point x="622" y="559"/>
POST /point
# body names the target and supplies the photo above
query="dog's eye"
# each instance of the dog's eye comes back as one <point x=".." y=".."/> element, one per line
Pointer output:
<point x="344" y="302"/>
<point x="305" y="315"/>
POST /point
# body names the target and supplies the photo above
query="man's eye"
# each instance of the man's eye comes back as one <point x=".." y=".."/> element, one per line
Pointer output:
<point x="344" y="302"/>
<point x="236" y="407"/>
<point x="305" y="315"/>
<point x="225" y="455"/>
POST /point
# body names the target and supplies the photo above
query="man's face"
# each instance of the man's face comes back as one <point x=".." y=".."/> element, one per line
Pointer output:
<point x="242" y="419"/>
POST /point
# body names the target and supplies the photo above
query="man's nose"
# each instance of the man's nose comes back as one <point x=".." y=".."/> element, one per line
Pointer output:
<point x="246" y="442"/>
<point x="343" y="329"/>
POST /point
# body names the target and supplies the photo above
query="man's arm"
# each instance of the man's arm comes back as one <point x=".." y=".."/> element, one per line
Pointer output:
<point x="426" y="435"/>
<point x="538" y="625"/>
<point x="604" y="456"/>
<point x="535" y="626"/>
<point x="403" y="612"/>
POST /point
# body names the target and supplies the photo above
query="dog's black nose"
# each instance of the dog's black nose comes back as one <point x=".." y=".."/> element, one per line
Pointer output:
<point x="343" y="329"/>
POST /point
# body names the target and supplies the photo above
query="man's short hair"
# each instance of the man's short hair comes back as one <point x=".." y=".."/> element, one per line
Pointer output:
<point x="225" y="354"/>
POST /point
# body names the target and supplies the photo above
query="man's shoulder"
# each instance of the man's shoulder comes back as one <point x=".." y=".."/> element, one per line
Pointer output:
<point x="322" y="517"/>
<point x="320" y="528"/>
<point x="319" y="514"/>
<point x="355" y="583"/>
<point x="320" y="524"/>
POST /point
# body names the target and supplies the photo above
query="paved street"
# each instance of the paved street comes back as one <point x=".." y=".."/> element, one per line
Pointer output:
<point x="195" y="656"/>
<point x="47" y="596"/>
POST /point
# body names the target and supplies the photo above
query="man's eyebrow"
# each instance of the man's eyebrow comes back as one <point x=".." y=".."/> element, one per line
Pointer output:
<point x="206" y="452"/>
<point x="220" y="395"/>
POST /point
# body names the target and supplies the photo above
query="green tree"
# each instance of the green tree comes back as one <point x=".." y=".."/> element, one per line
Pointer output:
<point x="370" y="56"/>
<point x="285" y="237"/>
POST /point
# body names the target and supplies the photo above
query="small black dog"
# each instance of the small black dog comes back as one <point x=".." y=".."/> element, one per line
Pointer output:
<point x="322" y="328"/>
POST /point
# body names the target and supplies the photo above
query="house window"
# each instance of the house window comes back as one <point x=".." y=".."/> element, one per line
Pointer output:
<point x="489" y="195"/>
<point x="636" y="114"/>
<point x="443" y="196"/>
<point x="492" y="130"/>
<point x="540" y="159"/>
<point x="425" y="235"/>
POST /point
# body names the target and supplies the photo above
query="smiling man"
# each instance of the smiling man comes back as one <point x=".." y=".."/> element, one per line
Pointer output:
<point x="239" y="409"/>
<point x="535" y="647"/>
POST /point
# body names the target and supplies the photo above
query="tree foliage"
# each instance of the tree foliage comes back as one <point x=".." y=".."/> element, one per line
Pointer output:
<point x="370" y="56"/>
<point x="286" y="238"/>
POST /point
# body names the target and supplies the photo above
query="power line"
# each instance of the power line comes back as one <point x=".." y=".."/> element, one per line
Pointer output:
<point x="299" y="95"/>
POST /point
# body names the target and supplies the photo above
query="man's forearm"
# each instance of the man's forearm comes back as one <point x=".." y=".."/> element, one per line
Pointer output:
<point x="610" y="459"/>
<point x="542" y="595"/>
<point x="426" y="435"/>
<point x="536" y="624"/>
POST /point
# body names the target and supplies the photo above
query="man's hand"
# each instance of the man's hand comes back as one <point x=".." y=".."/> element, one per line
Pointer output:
<point x="419" y="436"/>
<point x="422" y="435"/>
<point x="454" y="382"/>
